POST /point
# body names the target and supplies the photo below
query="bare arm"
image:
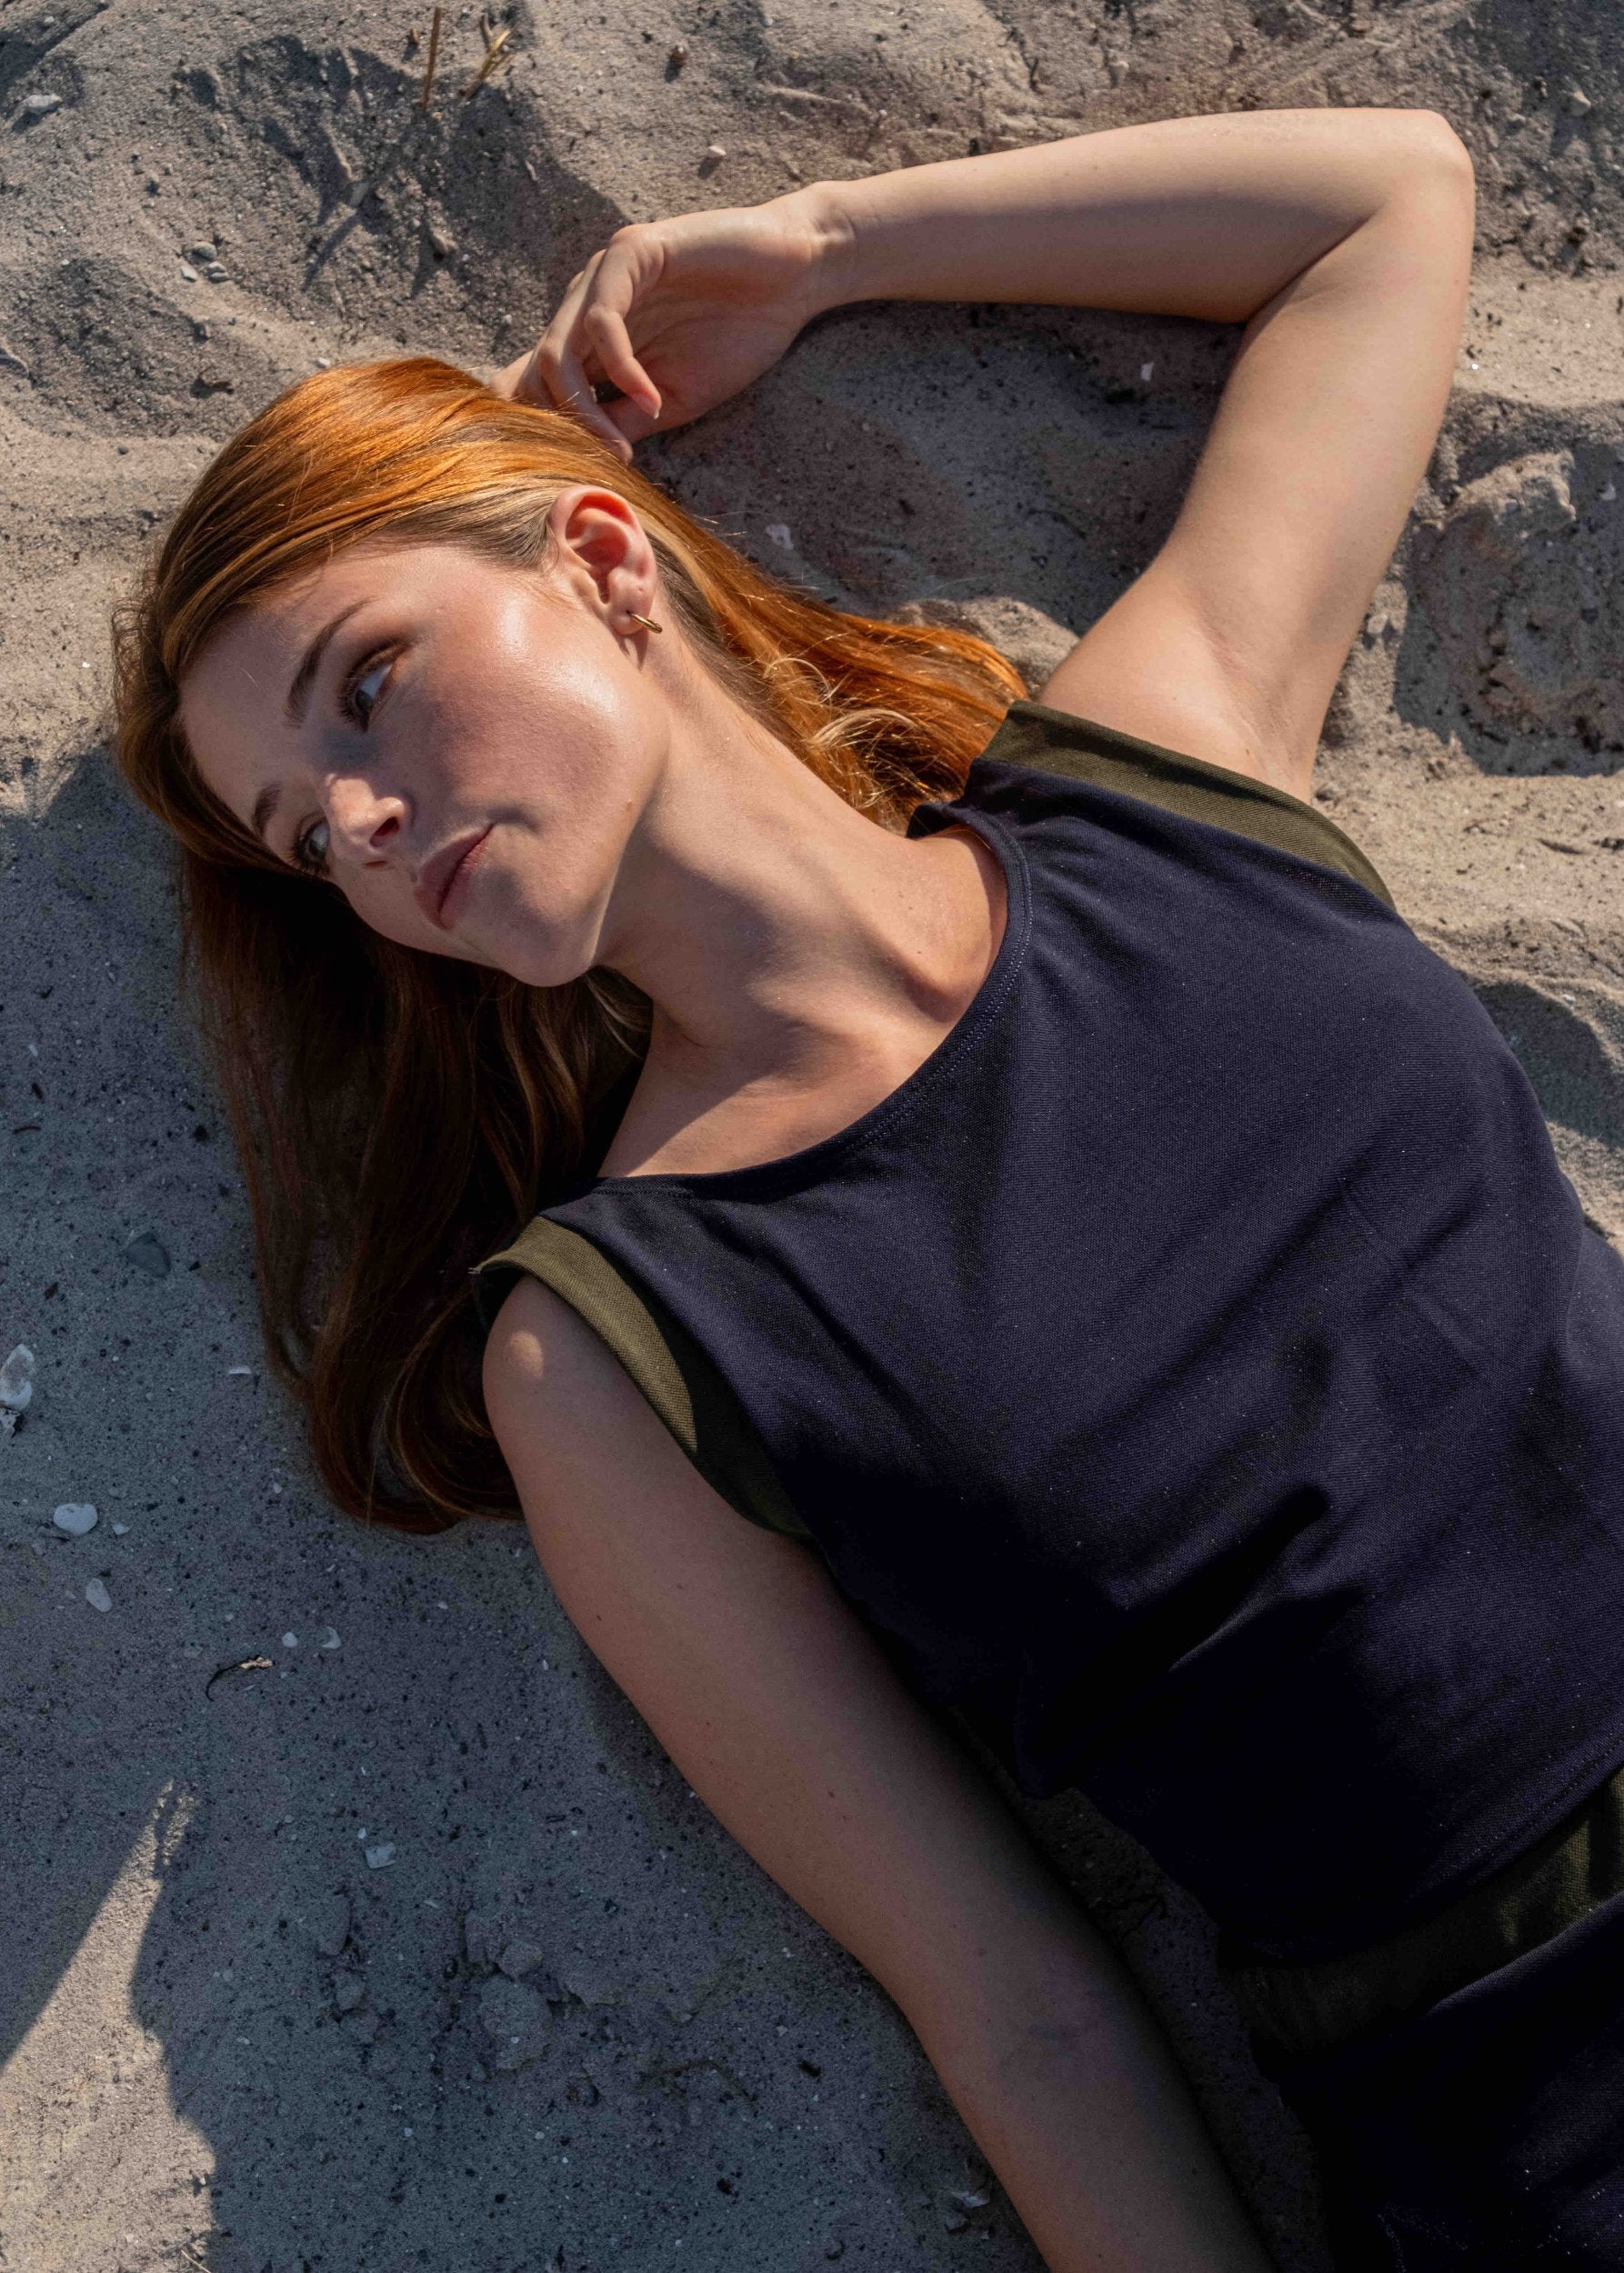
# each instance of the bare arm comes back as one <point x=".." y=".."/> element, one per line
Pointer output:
<point x="783" y="1715"/>
<point x="1342" y="239"/>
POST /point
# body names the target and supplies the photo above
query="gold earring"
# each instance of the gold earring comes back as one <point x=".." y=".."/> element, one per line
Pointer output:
<point x="647" y="622"/>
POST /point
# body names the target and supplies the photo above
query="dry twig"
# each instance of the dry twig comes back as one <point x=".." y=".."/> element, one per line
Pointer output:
<point x="497" y="53"/>
<point x="434" y="58"/>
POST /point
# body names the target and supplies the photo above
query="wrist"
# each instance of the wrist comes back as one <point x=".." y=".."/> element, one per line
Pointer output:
<point x="821" y="215"/>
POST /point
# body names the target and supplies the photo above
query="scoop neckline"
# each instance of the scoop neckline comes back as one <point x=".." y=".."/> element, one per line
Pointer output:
<point x="812" y="1161"/>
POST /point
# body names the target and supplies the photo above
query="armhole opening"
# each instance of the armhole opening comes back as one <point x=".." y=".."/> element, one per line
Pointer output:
<point x="1055" y="742"/>
<point x="682" y="1385"/>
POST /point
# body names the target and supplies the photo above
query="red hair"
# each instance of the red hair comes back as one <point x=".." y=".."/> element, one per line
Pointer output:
<point x="398" y="1114"/>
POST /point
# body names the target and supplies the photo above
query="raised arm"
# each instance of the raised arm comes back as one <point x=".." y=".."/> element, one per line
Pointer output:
<point x="1340" y="238"/>
<point x="786" y="1720"/>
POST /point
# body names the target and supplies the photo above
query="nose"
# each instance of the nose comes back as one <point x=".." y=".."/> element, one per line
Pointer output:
<point x="366" y="822"/>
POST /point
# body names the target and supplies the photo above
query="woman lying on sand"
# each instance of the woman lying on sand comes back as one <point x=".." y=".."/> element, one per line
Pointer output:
<point x="987" y="1205"/>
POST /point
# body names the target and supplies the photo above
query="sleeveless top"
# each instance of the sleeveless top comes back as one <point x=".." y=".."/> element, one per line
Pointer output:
<point x="1198" y="1373"/>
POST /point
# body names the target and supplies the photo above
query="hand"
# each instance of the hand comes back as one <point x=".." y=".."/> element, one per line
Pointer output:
<point x="678" y="314"/>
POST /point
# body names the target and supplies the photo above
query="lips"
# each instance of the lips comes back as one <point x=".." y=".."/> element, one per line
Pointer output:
<point x="435" y="880"/>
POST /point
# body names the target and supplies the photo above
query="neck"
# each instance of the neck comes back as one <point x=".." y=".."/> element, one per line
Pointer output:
<point x="800" y="959"/>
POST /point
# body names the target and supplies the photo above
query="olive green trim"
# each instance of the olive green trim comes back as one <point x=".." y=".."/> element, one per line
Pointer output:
<point x="1305" y="2008"/>
<point x="1058" y="742"/>
<point x="674" y="1374"/>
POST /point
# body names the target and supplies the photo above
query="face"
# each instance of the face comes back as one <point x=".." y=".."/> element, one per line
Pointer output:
<point x="462" y="749"/>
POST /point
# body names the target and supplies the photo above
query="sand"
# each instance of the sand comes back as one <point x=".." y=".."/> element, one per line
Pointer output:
<point x="406" y="1947"/>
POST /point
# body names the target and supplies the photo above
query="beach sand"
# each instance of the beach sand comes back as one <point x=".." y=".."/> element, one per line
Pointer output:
<point x="403" y="1946"/>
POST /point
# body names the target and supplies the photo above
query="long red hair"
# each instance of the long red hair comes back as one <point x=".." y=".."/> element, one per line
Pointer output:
<point x="399" y="1114"/>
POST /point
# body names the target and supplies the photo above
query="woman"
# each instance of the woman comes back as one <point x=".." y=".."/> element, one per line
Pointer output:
<point x="1116" y="1267"/>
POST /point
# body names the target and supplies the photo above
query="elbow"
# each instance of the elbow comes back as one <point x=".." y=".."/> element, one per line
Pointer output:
<point x="1426" y="187"/>
<point x="1429" y="152"/>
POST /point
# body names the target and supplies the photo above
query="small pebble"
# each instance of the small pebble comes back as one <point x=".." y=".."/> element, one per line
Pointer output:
<point x="441" y="244"/>
<point x="519" y="1957"/>
<point x="40" y="105"/>
<point x="200" y="328"/>
<point x="1144" y="371"/>
<point x="778" y="532"/>
<point x="239" y="1373"/>
<point x="715" y="153"/>
<point x="327" y="1638"/>
<point x="1579" y="102"/>
<point x="16" y="1379"/>
<point x="147" y="1252"/>
<point x="119" y="1530"/>
<point x="379" y="1857"/>
<point x="11" y="361"/>
<point x="75" y="1517"/>
<point x="677" y="58"/>
<point x="188" y="274"/>
<point x="218" y="273"/>
<point x="290" y="1641"/>
<point x="96" y="1595"/>
<point x="202" y="251"/>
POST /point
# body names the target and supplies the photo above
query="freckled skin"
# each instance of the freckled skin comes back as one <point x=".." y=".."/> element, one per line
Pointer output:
<point x="493" y="698"/>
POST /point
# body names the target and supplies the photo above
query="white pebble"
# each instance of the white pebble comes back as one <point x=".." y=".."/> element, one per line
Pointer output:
<point x="16" y="1379"/>
<point x="380" y="1857"/>
<point x="1145" y="370"/>
<point x="327" y="1638"/>
<point x="778" y="532"/>
<point x="1608" y="494"/>
<point x="119" y="1529"/>
<point x="239" y="1373"/>
<point x="75" y="1517"/>
<point x="715" y="151"/>
<point x="96" y="1595"/>
<point x="40" y="105"/>
<point x="290" y="1641"/>
<point x="188" y="275"/>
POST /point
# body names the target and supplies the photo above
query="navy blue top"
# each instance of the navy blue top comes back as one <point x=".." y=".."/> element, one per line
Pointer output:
<point x="1200" y="1372"/>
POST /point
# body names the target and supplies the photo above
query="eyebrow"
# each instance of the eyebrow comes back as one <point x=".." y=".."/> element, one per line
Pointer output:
<point x="304" y="678"/>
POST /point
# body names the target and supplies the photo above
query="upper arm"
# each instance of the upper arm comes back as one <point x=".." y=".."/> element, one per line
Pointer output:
<point x="1230" y="643"/>
<point x="757" y="1677"/>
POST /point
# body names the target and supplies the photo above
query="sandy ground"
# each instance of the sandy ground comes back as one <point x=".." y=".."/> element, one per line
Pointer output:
<point x="406" y="1948"/>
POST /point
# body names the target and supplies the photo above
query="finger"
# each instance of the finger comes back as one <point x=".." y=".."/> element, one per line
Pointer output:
<point x="561" y="378"/>
<point x="632" y="422"/>
<point x="610" y="296"/>
<point x="568" y="391"/>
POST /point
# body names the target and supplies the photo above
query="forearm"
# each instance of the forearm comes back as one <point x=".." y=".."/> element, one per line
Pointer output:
<point x="1208" y="217"/>
<point x="1069" y="2087"/>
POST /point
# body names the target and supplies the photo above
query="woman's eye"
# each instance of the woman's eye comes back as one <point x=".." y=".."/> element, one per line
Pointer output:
<point x="310" y="849"/>
<point x="362" y="692"/>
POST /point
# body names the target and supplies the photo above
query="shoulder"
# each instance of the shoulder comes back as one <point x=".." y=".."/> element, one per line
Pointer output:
<point x="551" y="1386"/>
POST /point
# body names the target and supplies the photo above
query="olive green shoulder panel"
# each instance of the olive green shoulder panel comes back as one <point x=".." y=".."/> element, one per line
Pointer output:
<point x="675" y="1375"/>
<point x="1056" y="742"/>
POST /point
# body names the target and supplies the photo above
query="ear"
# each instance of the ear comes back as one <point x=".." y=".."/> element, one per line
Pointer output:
<point x="603" y="547"/>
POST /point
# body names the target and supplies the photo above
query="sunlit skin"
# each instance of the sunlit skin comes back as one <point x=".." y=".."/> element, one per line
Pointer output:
<point x="619" y="809"/>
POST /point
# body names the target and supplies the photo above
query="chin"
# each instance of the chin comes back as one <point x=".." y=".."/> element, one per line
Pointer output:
<point x="546" y="962"/>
